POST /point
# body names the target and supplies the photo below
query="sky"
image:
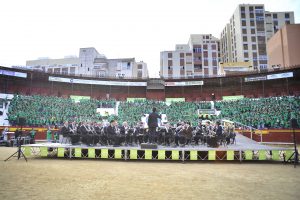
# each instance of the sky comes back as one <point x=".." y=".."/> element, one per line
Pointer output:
<point x="117" y="28"/>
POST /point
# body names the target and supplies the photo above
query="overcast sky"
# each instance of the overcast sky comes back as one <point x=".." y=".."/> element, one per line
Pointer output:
<point x="116" y="28"/>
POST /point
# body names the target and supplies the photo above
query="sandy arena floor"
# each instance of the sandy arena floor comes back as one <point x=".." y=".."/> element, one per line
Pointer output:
<point x="99" y="179"/>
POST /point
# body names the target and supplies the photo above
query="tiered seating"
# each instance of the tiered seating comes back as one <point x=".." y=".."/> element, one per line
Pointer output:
<point x="49" y="110"/>
<point x="274" y="112"/>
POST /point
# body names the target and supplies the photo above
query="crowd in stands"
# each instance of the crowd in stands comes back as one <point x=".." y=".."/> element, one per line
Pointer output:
<point x="274" y="112"/>
<point x="50" y="110"/>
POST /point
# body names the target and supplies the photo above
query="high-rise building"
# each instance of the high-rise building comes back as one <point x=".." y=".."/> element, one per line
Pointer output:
<point x="244" y="38"/>
<point x="283" y="48"/>
<point x="92" y="63"/>
<point x="198" y="58"/>
<point x="276" y="20"/>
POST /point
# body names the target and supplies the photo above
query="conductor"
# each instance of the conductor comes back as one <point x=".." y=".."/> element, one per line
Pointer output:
<point x="153" y="124"/>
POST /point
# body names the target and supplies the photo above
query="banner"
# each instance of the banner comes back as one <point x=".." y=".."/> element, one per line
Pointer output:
<point x="281" y="75"/>
<point x="170" y="100"/>
<point x="232" y="98"/>
<point x="257" y="78"/>
<point x="96" y="82"/>
<point x="184" y="83"/>
<point x="12" y="73"/>
<point x="135" y="99"/>
<point x="79" y="98"/>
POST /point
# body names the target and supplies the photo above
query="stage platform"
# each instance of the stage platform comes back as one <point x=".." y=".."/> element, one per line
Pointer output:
<point x="243" y="149"/>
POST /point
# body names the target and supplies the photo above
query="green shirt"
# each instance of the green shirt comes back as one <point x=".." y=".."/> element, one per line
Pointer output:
<point x="49" y="135"/>
<point x="32" y="133"/>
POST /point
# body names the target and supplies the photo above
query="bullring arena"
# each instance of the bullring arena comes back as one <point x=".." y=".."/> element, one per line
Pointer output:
<point x="254" y="161"/>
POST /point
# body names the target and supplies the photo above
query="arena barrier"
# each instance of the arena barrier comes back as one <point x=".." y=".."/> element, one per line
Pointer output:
<point x="55" y="150"/>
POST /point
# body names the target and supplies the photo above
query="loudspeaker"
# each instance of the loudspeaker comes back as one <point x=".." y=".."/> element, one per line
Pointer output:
<point x="148" y="146"/>
<point x="294" y="123"/>
<point x="21" y="121"/>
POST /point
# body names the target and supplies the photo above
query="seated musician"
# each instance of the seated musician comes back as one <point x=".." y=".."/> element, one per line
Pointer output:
<point x="131" y="135"/>
<point x="140" y="133"/>
<point x="178" y="129"/>
<point x="198" y="133"/>
<point x="73" y="133"/>
<point x="84" y="131"/>
<point x="97" y="135"/>
<point x="124" y="133"/>
<point x="91" y="133"/>
<point x="113" y="133"/>
<point x="104" y="135"/>
<point x="167" y="134"/>
<point x="188" y="132"/>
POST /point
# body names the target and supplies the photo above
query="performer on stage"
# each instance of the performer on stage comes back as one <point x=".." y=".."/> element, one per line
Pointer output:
<point x="104" y="140"/>
<point x="139" y="133"/>
<point x="219" y="131"/>
<point x="124" y="133"/>
<point x="64" y="133"/>
<point x="153" y="124"/>
<point x="114" y="133"/>
<point x="97" y="136"/>
<point x="211" y="138"/>
<point x="186" y="133"/>
<point x="84" y="131"/>
<point x="73" y="133"/>
<point x="166" y="134"/>
<point x="177" y="131"/>
<point x="198" y="133"/>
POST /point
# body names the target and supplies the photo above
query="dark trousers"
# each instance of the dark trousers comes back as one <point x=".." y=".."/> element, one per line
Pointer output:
<point x="87" y="139"/>
<point x="75" y="139"/>
<point x="103" y="139"/>
<point x="197" y="138"/>
<point x="141" y="138"/>
<point x="117" y="140"/>
<point x="133" y="139"/>
<point x="180" y="139"/>
<point x="152" y="134"/>
<point x="167" y="139"/>
<point x="96" y="139"/>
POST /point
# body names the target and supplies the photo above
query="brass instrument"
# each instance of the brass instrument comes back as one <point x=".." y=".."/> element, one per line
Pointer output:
<point x="73" y="129"/>
<point x="92" y="128"/>
<point x="117" y="130"/>
<point x="126" y="129"/>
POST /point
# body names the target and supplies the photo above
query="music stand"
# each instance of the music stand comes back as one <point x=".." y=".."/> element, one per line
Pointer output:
<point x="19" y="153"/>
<point x="295" y="154"/>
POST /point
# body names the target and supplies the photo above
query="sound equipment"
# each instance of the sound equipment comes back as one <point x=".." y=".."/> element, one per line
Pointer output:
<point x="21" y="121"/>
<point x="294" y="123"/>
<point x="148" y="146"/>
